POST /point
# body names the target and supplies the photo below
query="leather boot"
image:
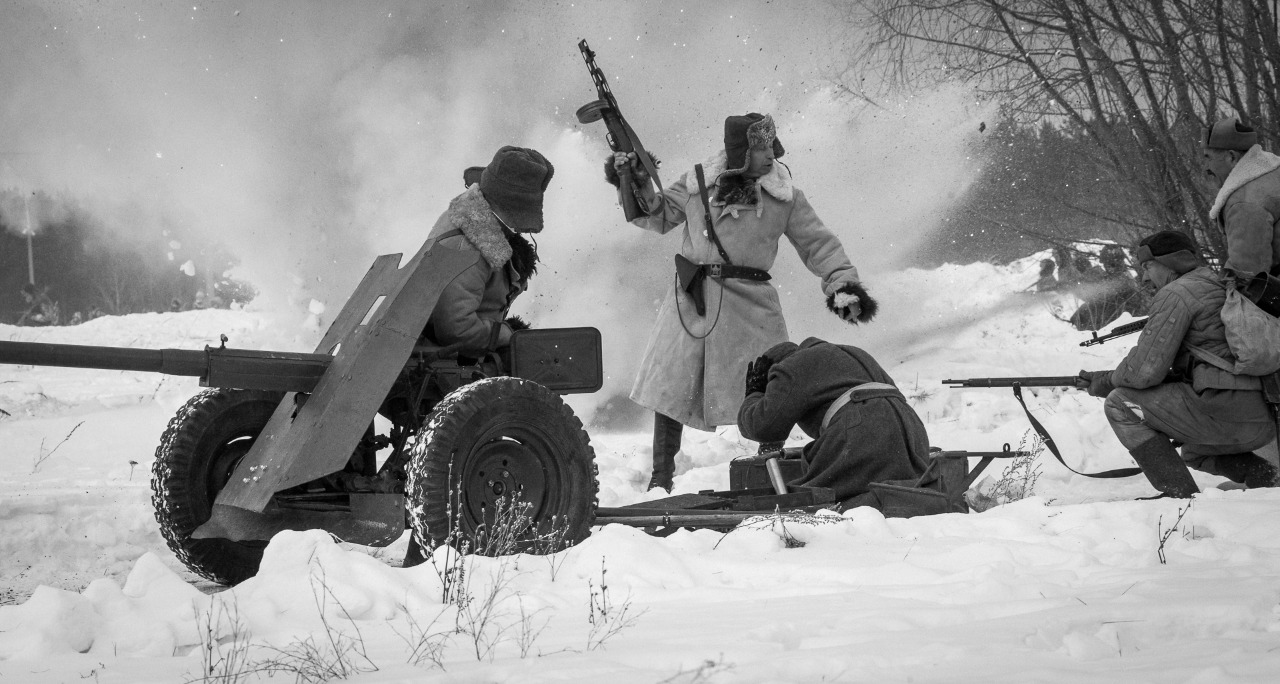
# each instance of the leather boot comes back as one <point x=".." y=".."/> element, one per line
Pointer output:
<point x="666" y="443"/>
<point x="1164" y="468"/>
<point x="1248" y="468"/>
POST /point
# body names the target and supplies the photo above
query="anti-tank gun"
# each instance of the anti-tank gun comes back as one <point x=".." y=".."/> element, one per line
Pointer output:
<point x="288" y="441"/>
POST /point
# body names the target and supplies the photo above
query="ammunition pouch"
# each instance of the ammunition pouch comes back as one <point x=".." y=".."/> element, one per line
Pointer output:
<point x="691" y="277"/>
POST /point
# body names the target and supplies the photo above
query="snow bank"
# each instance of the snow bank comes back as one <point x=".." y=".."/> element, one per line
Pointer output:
<point x="1065" y="585"/>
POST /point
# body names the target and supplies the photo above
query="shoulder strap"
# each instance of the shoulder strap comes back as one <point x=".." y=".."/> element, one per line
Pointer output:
<point x="448" y="234"/>
<point x="706" y="214"/>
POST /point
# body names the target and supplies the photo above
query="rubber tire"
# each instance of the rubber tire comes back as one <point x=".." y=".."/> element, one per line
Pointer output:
<point x="482" y="423"/>
<point x="197" y="453"/>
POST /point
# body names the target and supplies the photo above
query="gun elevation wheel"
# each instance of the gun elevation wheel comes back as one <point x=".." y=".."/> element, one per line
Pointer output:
<point x="197" y="454"/>
<point x="503" y="466"/>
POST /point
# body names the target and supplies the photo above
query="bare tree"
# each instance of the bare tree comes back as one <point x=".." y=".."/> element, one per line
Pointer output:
<point x="1143" y="78"/>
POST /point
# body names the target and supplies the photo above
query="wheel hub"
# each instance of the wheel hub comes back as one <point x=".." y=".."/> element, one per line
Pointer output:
<point x="504" y="473"/>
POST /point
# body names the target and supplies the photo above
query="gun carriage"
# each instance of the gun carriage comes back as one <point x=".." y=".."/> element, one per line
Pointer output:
<point x="375" y="432"/>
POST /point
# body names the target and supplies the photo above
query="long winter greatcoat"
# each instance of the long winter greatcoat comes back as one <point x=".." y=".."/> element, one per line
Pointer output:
<point x="693" y="366"/>
<point x="1247" y="210"/>
<point x="876" y="437"/>
<point x="470" y="316"/>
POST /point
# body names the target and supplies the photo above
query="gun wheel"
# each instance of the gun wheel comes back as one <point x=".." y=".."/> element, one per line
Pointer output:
<point x="197" y="454"/>
<point x="503" y="466"/>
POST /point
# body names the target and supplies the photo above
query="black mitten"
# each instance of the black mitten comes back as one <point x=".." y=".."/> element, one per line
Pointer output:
<point x="758" y="374"/>
<point x="852" y="303"/>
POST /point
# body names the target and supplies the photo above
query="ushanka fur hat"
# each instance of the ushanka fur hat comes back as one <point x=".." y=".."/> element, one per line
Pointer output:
<point x="1172" y="248"/>
<point x="1230" y="134"/>
<point x="748" y="132"/>
<point x="513" y="184"/>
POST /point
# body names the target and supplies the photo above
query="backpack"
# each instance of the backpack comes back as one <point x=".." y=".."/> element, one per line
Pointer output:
<point x="1252" y="334"/>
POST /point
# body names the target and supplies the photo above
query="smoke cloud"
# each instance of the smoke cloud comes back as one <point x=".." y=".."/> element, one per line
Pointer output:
<point x="308" y="137"/>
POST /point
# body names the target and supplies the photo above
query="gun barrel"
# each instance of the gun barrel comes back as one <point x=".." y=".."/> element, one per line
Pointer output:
<point x="167" y="361"/>
<point x="1041" y="381"/>
<point x="216" y="367"/>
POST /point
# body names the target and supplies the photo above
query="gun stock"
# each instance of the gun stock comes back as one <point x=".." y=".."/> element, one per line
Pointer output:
<point x="619" y="134"/>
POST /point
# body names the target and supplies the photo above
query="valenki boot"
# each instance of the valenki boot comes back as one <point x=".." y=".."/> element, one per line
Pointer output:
<point x="1164" y="468"/>
<point x="1248" y="468"/>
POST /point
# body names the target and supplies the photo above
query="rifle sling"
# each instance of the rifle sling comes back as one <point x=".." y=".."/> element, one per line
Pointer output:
<point x="1053" y="447"/>
<point x="706" y="214"/>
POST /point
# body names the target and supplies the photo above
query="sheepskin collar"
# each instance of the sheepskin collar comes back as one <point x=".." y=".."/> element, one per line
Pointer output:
<point x="777" y="182"/>
<point x="1256" y="162"/>
<point x="470" y="213"/>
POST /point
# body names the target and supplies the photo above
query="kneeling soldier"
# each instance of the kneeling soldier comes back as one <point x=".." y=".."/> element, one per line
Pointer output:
<point x="1161" y="391"/>
<point x="862" y="427"/>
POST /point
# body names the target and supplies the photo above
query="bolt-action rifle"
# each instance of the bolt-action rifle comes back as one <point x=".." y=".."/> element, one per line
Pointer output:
<point x="1073" y="381"/>
<point x="1118" y="331"/>
<point x="621" y="138"/>
<point x="1032" y="381"/>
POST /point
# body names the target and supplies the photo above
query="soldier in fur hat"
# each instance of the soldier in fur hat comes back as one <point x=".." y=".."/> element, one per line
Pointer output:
<point x="721" y="309"/>
<point x="1247" y="206"/>
<point x="1163" y="392"/>
<point x="491" y="217"/>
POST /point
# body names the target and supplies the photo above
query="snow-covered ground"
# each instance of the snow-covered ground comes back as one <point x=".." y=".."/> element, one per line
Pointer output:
<point x="1079" y="582"/>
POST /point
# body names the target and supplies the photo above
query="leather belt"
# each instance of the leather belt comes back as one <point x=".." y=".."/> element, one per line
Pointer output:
<point x="884" y="390"/>
<point x="731" y="271"/>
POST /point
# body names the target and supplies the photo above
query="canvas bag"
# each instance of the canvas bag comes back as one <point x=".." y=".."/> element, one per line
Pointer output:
<point x="1252" y="334"/>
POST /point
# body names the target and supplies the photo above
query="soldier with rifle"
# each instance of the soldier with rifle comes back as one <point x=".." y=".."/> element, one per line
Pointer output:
<point x="1165" y="393"/>
<point x="721" y="309"/>
<point x="1171" y="389"/>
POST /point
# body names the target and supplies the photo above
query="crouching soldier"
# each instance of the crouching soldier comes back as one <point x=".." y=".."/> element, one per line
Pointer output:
<point x="1162" y="393"/>
<point x="502" y="203"/>
<point x="863" y="430"/>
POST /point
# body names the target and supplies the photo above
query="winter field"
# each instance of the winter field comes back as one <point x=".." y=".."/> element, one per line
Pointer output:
<point x="1077" y="582"/>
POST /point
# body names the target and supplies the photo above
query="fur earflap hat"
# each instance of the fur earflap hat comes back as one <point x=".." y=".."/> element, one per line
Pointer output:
<point x="471" y="175"/>
<point x="1172" y="248"/>
<point x="1230" y="134"/>
<point x="748" y="132"/>
<point x="513" y="184"/>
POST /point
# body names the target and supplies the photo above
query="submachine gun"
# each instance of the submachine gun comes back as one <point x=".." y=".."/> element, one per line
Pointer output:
<point x="621" y="137"/>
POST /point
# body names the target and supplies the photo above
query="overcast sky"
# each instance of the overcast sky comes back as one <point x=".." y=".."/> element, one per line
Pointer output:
<point x="310" y="136"/>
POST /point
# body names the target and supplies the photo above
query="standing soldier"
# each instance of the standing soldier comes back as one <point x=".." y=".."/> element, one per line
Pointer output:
<point x="721" y="309"/>
<point x="1247" y="207"/>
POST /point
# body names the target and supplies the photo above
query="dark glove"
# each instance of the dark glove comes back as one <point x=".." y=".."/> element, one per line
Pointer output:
<point x="1098" y="383"/>
<point x="852" y="303"/>
<point x="758" y="374"/>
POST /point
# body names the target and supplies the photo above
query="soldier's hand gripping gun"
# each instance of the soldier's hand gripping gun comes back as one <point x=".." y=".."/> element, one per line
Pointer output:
<point x="621" y="137"/>
<point x="1118" y="331"/>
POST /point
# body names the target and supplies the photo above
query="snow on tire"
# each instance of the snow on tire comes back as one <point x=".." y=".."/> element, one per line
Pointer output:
<point x="493" y="441"/>
<point x="197" y="454"/>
